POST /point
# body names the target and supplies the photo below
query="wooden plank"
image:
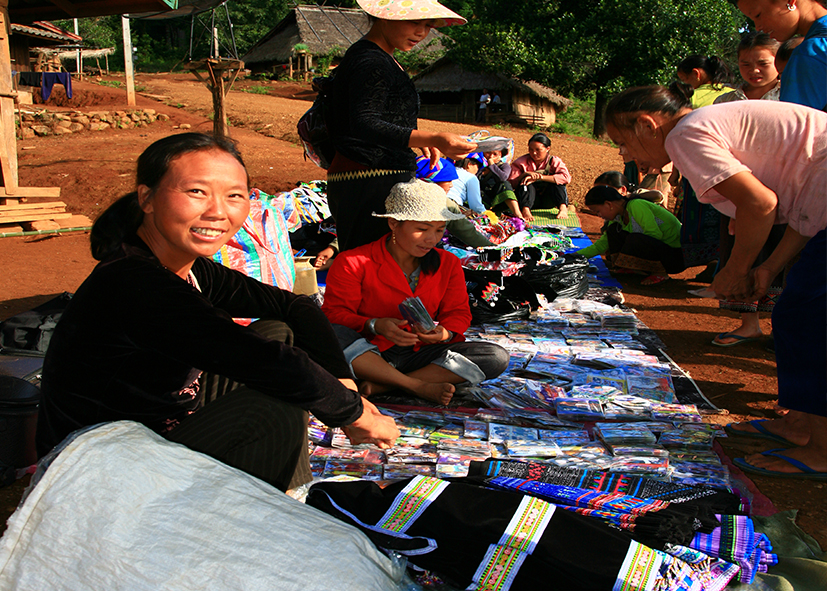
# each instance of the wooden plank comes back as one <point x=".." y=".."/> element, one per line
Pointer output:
<point x="42" y="225"/>
<point x="19" y="206"/>
<point x="28" y="212"/>
<point x="30" y="192"/>
<point x="10" y="228"/>
<point x="76" y="221"/>
<point x="35" y="217"/>
<point x="8" y="141"/>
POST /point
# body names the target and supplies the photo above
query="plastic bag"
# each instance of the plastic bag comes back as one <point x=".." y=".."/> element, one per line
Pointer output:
<point x="563" y="277"/>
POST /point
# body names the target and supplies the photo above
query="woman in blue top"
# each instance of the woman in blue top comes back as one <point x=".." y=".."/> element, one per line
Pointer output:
<point x="805" y="76"/>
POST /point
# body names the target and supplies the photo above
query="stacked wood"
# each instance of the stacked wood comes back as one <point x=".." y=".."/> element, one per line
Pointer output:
<point x="18" y="213"/>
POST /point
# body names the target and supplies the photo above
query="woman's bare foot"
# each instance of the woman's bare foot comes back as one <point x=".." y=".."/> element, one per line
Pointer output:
<point x="807" y="455"/>
<point x="563" y="212"/>
<point x="527" y="215"/>
<point x="793" y="427"/>
<point x="440" y="392"/>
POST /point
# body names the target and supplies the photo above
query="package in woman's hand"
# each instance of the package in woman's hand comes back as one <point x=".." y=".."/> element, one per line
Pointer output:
<point x="417" y="316"/>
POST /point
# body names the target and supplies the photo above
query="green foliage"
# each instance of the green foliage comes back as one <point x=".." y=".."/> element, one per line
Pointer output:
<point x="256" y="90"/>
<point x="110" y="83"/>
<point x="594" y="46"/>
<point x="577" y="119"/>
<point x="298" y="47"/>
<point x="324" y="61"/>
<point x="418" y="58"/>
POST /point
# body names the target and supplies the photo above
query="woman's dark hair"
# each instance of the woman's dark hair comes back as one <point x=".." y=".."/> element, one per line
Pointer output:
<point x="785" y="51"/>
<point x="623" y="109"/>
<point x="542" y="138"/>
<point x="122" y="219"/>
<point x="601" y="194"/>
<point x="715" y="68"/>
<point x="612" y="178"/>
<point x="755" y="39"/>
<point x="430" y="262"/>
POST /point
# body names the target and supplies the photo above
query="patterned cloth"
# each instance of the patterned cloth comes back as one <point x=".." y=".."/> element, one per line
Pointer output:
<point x="596" y="480"/>
<point x="737" y="541"/>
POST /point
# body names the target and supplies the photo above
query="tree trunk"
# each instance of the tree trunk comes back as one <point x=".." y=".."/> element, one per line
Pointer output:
<point x="599" y="128"/>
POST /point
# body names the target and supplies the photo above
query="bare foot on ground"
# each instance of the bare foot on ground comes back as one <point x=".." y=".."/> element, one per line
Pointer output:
<point x="563" y="213"/>
<point x="441" y="392"/>
<point x="807" y="455"/>
<point x="792" y="429"/>
<point x="527" y="215"/>
<point x="741" y="331"/>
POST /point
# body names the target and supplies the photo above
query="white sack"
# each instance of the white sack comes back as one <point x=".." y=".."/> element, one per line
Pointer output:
<point x="122" y="508"/>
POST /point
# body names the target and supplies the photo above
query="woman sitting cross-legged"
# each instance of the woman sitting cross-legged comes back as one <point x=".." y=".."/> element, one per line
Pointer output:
<point x="366" y="285"/>
<point x="156" y="311"/>
<point x="640" y="236"/>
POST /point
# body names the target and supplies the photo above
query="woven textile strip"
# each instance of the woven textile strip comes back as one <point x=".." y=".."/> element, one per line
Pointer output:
<point x="736" y="541"/>
<point x="502" y="561"/>
<point x="411" y="503"/>
<point x="711" y="574"/>
<point x="640" y="569"/>
<point x="596" y="480"/>
<point x="362" y="174"/>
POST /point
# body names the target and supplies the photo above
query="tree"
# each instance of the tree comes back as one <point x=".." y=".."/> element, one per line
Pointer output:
<point x="593" y="46"/>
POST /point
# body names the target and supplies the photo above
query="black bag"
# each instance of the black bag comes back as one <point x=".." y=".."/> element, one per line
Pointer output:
<point x="312" y="127"/>
<point x="563" y="277"/>
<point x="495" y="299"/>
<point x="29" y="333"/>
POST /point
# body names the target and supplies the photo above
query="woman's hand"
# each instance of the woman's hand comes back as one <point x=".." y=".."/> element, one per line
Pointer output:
<point x="324" y="256"/>
<point x="372" y="427"/>
<point x="530" y="177"/>
<point x="762" y="278"/>
<point x="733" y="285"/>
<point x="438" y="335"/>
<point x="450" y="144"/>
<point x="391" y="329"/>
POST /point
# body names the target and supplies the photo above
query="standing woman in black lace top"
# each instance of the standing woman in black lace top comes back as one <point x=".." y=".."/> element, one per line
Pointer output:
<point x="373" y="118"/>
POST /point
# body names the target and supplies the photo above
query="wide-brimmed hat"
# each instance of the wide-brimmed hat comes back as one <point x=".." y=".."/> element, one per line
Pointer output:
<point x="418" y="201"/>
<point x="412" y="10"/>
<point x="443" y="171"/>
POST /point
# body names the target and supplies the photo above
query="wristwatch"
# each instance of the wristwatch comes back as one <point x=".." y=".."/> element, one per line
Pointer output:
<point x="371" y="326"/>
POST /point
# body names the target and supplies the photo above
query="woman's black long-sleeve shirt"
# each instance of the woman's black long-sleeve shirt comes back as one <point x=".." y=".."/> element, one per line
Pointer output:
<point x="373" y="110"/>
<point x="135" y="335"/>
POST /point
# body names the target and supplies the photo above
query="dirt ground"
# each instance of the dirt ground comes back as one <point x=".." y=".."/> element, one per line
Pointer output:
<point x="94" y="168"/>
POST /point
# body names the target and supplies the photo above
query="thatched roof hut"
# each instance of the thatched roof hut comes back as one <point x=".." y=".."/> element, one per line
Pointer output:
<point x="449" y="92"/>
<point x="324" y="30"/>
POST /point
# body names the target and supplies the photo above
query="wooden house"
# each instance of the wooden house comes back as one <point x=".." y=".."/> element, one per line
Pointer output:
<point x="447" y="92"/>
<point x="323" y="30"/>
<point x="30" y="46"/>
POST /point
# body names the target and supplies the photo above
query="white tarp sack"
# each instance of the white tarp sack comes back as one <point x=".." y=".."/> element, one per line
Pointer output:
<point x="122" y="508"/>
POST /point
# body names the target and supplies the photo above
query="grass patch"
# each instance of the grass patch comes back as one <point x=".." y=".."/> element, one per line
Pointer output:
<point x="577" y="120"/>
<point x="110" y="83"/>
<point x="256" y="90"/>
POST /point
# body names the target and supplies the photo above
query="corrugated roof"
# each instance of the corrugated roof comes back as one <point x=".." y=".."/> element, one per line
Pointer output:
<point x="28" y="11"/>
<point x="46" y="30"/>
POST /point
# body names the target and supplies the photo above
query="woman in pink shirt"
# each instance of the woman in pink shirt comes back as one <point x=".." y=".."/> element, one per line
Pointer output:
<point x="761" y="163"/>
<point x="539" y="179"/>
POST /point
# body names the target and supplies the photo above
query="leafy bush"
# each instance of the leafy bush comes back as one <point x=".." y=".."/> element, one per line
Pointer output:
<point x="577" y="119"/>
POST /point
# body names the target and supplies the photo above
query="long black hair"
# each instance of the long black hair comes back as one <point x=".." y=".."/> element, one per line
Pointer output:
<point x="541" y="138"/>
<point x="623" y="109"/>
<point x="123" y="218"/>
<point x="601" y="194"/>
<point x="613" y="178"/>
<point x="714" y="67"/>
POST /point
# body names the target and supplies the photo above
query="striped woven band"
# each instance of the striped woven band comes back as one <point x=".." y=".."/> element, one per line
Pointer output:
<point x="352" y="175"/>
<point x="411" y="503"/>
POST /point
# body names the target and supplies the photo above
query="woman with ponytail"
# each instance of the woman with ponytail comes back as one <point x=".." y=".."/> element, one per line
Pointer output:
<point x="157" y="311"/>
<point x="708" y="77"/>
<point x="761" y="163"/>
<point x="641" y="236"/>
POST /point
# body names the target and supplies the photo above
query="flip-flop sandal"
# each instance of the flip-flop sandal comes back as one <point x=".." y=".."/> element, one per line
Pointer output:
<point x="728" y="335"/>
<point x="806" y="473"/>
<point x="761" y="432"/>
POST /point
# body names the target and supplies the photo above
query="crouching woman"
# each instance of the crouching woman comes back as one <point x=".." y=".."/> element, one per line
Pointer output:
<point x="366" y="285"/>
<point x="641" y="237"/>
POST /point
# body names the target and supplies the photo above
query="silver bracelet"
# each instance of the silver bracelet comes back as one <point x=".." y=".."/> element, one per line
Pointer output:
<point x="371" y="326"/>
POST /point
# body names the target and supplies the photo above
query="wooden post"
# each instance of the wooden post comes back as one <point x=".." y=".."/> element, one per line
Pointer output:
<point x="78" y="56"/>
<point x="127" y="59"/>
<point x="8" y="142"/>
<point x="219" y="124"/>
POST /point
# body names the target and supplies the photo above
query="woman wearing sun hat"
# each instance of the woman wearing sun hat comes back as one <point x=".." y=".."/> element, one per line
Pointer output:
<point x="366" y="285"/>
<point x="373" y="117"/>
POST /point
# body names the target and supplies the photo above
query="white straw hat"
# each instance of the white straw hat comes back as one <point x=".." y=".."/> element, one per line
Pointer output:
<point x="418" y="201"/>
<point x="412" y="10"/>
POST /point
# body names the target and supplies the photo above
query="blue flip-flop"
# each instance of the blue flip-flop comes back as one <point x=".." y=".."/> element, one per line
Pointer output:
<point x="806" y="473"/>
<point x="761" y="432"/>
<point x="739" y="340"/>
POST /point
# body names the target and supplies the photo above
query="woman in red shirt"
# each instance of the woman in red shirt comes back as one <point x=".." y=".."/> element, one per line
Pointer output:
<point x="366" y="285"/>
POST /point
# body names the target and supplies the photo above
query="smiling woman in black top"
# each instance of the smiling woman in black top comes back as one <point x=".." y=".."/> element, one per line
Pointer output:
<point x="157" y="311"/>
